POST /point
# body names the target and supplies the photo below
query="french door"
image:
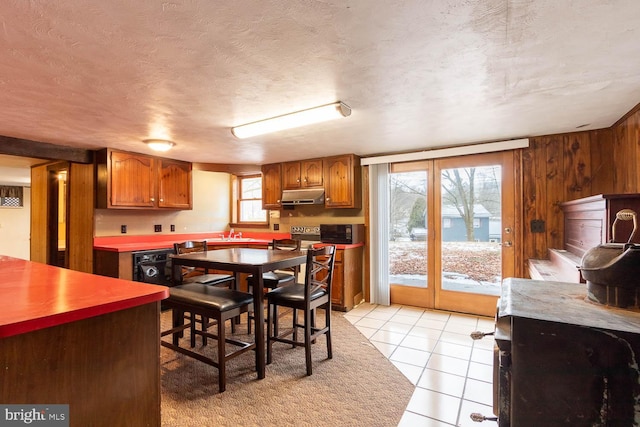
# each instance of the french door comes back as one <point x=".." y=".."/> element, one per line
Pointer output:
<point x="451" y="231"/>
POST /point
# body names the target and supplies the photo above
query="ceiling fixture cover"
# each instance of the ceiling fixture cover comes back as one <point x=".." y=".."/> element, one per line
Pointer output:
<point x="293" y="120"/>
<point x="159" y="144"/>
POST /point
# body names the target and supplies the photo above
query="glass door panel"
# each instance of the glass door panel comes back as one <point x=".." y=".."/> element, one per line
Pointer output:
<point x="471" y="215"/>
<point x="408" y="229"/>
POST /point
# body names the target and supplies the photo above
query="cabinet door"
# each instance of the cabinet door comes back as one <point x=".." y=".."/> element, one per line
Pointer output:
<point x="340" y="182"/>
<point x="271" y="186"/>
<point x="132" y="180"/>
<point x="311" y="173"/>
<point x="175" y="185"/>
<point x="337" y="284"/>
<point x="291" y="173"/>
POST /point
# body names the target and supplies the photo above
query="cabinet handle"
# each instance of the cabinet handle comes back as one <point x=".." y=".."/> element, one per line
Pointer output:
<point x="305" y="180"/>
<point x="162" y="200"/>
<point x="298" y="180"/>
<point x="327" y="199"/>
<point x="278" y="201"/>
<point x="153" y="199"/>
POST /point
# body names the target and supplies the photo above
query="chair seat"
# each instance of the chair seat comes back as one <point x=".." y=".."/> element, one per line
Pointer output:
<point x="274" y="279"/>
<point x="209" y="279"/>
<point x="209" y="297"/>
<point x="293" y="293"/>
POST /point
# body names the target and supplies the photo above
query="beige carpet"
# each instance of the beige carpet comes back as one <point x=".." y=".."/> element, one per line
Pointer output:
<point x="358" y="387"/>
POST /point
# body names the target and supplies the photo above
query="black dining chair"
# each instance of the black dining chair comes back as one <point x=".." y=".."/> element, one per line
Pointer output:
<point x="209" y="302"/>
<point x="275" y="279"/>
<point x="306" y="297"/>
<point x="199" y="275"/>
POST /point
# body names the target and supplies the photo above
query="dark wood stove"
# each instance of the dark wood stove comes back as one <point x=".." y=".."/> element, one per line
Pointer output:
<point x="564" y="360"/>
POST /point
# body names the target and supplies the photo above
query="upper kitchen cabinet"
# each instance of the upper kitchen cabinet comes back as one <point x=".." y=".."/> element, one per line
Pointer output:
<point x="302" y="174"/>
<point x="342" y="182"/>
<point x="133" y="181"/>
<point x="175" y="185"/>
<point x="271" y="186"/>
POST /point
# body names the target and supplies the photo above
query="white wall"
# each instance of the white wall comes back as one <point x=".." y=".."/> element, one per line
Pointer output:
<point x="211" y="209"/>
<point x="14" y="228"/>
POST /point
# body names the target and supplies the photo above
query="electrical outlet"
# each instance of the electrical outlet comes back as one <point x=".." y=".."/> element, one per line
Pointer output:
<point x="123" y="229"/>
<point x="537" y="226"/>
<point x="276" y="227"/>
<point x="173" y="227"/>
<point x="157" y="228"/>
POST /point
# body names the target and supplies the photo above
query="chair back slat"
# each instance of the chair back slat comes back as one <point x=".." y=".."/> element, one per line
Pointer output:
<point x="319" y="270"/>
<point x="190" y="246"/>
<point x="287" y="245"/>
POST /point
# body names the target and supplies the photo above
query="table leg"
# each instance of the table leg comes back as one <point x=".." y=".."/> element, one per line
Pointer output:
<point x="258" y="315"/>
<point x="236" y="286"/>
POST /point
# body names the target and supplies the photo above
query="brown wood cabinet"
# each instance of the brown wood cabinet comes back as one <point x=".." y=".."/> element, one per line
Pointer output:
<point x="175" y="185"/>
<point x="342" y="182"/>
<point x="86" y="364"/>
<point x="302" y="174"/>
<point x="131" y="180"/>
<point x="346" y="286"/>
<point x="339" y="175"/>
<point x="271" y="186"/>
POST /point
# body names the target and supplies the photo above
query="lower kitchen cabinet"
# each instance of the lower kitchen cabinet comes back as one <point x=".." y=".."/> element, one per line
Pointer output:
<point x="346" y="287"/>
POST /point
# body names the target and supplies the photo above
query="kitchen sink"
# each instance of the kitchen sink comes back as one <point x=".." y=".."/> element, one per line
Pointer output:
<point x="235" y="239"/>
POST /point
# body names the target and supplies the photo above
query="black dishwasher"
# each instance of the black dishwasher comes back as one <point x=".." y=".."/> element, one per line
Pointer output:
<point x="152" y="266"/>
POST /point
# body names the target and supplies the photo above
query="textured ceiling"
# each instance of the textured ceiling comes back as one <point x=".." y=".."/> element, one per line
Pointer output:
<point x="418" y="74"/>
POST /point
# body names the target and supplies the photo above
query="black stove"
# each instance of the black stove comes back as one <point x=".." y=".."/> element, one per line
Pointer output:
<point x="307" y="234"/>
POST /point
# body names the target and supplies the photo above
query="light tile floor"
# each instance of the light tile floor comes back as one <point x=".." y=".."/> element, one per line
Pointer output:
<point x="453" y="374"/>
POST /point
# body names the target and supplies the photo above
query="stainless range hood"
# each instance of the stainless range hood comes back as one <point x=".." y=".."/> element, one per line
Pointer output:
<point x="308" y="196"/>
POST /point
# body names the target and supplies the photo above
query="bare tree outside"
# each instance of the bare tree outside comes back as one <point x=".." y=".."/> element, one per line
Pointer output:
<point x="458" y="191"/>
<point x="471" y="206"/>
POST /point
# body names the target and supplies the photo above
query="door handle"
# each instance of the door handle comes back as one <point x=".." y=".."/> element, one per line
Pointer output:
<point x="507" y="244"/>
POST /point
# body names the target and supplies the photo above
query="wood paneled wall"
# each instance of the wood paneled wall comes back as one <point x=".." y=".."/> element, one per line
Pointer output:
<point x="558" y="168"/>
<point x="81" y="211"/>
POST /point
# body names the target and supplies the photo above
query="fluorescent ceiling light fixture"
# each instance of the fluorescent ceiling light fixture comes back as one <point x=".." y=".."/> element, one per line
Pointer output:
<point x="159" y="144"/>
<point x="293" y="120"/>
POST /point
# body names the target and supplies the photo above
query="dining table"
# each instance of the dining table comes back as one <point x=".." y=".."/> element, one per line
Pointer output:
<point x="244" y="260"/>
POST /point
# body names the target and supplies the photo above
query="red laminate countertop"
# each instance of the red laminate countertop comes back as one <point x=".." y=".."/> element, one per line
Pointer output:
<point x="166" y="241"/>
<point x="36" y="296"/>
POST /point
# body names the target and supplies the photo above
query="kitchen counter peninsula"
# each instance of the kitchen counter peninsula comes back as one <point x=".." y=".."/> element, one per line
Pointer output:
<point x="75" y="338"/>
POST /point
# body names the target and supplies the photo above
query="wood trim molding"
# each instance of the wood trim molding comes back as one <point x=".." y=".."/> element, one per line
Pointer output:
<point x="43" y="150"/>
<point x="239" y="170"/>
<point x="626" y="116"/>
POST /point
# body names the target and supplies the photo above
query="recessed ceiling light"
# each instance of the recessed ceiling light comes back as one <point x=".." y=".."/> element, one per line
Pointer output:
<point x="159" y="144"/>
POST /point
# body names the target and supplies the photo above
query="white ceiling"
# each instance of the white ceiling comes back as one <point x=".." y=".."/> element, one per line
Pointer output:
<point x="417" y="73"/>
